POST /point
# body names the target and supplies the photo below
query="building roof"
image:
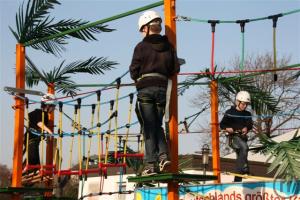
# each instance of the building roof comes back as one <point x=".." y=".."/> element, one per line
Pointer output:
<point x="259" y="157"/>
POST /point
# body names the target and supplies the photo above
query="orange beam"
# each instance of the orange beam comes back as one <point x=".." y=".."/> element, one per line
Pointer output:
<point x="170" y="27"/>
<point x="19" y="120"/>
<point x="215" y="130"/>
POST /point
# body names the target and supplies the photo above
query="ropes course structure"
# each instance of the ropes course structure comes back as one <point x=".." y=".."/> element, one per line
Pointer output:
<point x="117" y="159"/>
<point x="53" y="165"/>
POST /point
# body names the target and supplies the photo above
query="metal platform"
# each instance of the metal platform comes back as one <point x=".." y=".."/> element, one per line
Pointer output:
<point x="10" y="190"/>
<point x="167" y="177"/>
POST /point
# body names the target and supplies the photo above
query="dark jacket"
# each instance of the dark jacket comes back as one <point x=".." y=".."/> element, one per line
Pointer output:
<point x="154" y="54"/>
<point x="236" y="119"/>
<point x="34" y="118"/>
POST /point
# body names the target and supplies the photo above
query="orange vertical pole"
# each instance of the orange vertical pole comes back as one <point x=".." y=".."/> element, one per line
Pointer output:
<point x="215" y="130"/>
<point x="49" y="148"/>
<point x="19" y="120"/>
<point x="170" y="27"/>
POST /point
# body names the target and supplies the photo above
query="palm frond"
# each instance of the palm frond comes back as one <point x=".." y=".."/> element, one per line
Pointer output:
<point x="191" y="80"/>
<point x="34" y="23"/>
<point x="33" y="74"/>
<point x="56" y="45"/>
<point x="66" y="87"/>
<point x="31" y="77"/>
<point x="285" y="155"/>
<point x="92" y="65"/>
<point x="262" y="102"/>
<point x="34" y="13"/>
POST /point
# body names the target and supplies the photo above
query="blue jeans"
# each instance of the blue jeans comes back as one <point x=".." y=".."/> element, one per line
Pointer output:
<point x="241" y="148"/>
<point x="151" y="105"/>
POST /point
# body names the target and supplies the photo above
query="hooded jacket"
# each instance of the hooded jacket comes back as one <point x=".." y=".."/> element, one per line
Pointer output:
<point x="154" y="54"/>
<point x="236" y="119"/>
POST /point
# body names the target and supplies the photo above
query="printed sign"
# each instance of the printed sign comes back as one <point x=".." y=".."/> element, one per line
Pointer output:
<point x="233" y="191"/>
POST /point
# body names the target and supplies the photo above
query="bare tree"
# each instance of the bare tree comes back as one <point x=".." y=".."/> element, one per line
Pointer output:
<point x="274" y="102"/>
<point x="284" y="89"/>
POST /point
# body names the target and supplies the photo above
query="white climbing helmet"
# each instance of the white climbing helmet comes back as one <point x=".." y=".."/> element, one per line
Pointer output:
<point x="49" y="99"/>
<point x="147" y="17"/>
<point x="243" y="96"/>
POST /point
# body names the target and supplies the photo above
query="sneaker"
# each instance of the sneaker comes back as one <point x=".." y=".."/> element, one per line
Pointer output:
<point x="148" y="171"/>
<point x="164" y="165"/>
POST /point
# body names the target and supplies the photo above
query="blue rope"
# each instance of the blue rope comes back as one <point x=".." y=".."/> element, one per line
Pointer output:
<point x="83" y="132"/>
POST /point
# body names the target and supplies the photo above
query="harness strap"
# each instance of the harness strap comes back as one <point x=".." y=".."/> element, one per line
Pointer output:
<point x="168" y="98"/>
<point x="145" y="101"/>
<point x="152" y="75"/>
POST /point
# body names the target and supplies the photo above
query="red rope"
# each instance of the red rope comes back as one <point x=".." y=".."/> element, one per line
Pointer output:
<point x="212" y="67"/>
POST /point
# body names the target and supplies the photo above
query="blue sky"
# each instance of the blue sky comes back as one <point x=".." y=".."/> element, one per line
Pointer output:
<point x="193" y="44"/>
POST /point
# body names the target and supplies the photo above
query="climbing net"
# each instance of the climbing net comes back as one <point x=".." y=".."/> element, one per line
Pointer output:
<point x="105" y="158"/>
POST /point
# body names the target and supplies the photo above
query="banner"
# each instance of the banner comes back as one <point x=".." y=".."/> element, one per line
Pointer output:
<point x="276" y="190"/>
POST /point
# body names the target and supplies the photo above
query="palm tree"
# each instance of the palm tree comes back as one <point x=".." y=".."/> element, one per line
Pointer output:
<point x="59" y="77"/>
<point x="35" y="27"/>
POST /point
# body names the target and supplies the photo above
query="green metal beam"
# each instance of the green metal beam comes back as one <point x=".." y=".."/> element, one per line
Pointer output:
<point x="9" y="190"/>
<point x="166" y="177"/>
<point x="102" y="21"/>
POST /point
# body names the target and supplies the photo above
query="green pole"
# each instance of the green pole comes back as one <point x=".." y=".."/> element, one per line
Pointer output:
<point x="102" y="21"/>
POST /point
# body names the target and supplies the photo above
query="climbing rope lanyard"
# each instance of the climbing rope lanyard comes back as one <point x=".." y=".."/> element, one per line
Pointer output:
<point x="213" y="29"/>
<point x="107" y="134"/>
<point x="90" y="137"/>
<point x="128" y="126"/>
<point x="72" y="135"/>
<point x="116" y="118"/>
<point x="274" y="19"/>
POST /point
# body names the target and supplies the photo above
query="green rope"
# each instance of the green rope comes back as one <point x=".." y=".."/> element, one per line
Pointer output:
<point x="184" y="18"/>
<point x="102" y="21"/>
<point x="291" y="12"/>
<point x="274" y="49"/>
<point x="243" y="52"/>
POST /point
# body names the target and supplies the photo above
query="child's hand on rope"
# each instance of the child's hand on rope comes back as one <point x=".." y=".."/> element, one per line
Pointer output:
<point x="244" y="130"/>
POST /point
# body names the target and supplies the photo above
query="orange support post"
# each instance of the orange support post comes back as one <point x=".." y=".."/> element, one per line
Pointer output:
<point x="215" y="130"/>
<point x="170" y="13"/>
<point x="19" y="120"/>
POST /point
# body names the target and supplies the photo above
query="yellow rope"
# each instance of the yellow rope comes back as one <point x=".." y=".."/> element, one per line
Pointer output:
<point x="107" y="136"/>
<point x="55" y="155"/>
<point x="249" y="176"/>
<point x="99" y="131"/>
<point x="79" y="141"/>
<point x="60" y="139"/>
<point x="72" y="140"/>
<point x="90" y="142"/>
<point x="116" y="122"/>
<point x="142" y="143"/>
<point x="127" y="130"/>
